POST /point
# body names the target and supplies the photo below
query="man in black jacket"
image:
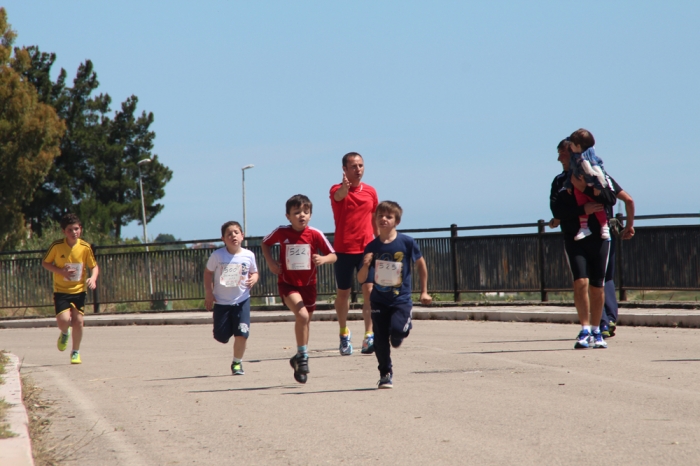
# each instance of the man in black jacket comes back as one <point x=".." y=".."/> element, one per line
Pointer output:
<point x="588" y="258"/>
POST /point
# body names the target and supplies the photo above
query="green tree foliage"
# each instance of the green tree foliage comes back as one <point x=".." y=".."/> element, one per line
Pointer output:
<point x="96" y="175"/>
<point x="30" y="134"/>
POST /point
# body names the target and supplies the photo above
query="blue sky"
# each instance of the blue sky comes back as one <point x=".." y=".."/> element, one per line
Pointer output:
<point x="457" y="107"/>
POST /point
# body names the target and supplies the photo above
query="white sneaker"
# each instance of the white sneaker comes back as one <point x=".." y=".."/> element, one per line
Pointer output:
<point x="582" y="233"/>
<point x="605" y="232"/>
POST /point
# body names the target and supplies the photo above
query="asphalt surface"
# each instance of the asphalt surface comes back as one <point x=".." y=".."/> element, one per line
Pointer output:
<point x="465" y="392"/>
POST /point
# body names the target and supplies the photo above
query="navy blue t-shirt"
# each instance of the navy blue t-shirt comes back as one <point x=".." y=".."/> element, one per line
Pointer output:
<point x="391" y="264"/>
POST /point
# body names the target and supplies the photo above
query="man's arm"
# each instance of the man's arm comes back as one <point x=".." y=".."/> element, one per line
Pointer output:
<point x="422" y="269"/>
<point x="343" y="191"/>
<point x="628" y="231"/>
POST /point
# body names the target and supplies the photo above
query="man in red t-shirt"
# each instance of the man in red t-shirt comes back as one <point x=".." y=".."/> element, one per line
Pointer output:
<point x="353" y="205"/>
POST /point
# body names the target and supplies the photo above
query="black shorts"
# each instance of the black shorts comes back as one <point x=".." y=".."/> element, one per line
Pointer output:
<point x="344" y="267"/>
<point x="233" y="320"/>
<point x="65" y="301"/>
<point x="392" y="320"/>
<point x="588" y="258"/>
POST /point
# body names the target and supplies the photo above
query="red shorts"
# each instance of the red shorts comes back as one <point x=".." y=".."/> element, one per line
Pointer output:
<point x="307" y="293"/>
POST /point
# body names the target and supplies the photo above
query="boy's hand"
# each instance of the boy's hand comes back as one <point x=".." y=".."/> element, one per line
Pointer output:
<point x="209" y="301"/>
<point x="252" y="280"/>
<point x="554" y="223"/>
<point x="367" y="260"/>
<point x="318" y="259"/>
<point x="91" y="283"/>
<point x="426" y="299"/>
<point x="67" y="272"/>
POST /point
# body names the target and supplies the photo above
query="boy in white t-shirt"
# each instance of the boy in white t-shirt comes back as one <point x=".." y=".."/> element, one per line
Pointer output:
<point x="230" y="274"/>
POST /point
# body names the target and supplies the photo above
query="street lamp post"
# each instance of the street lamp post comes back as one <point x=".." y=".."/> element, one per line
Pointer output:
<point x="245" y="227"/>
<point x="145" y="230"/>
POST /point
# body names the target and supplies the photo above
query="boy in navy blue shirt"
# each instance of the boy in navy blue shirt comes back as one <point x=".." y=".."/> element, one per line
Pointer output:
<point x="390" y="256"/>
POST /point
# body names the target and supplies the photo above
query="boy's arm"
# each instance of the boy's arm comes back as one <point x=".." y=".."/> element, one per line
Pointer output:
<point x="208" y="289"/>
<point x="252" y="279"/>
<point x="272" y="264"/>
<point x="327" y="259"/>
<point x="422" y="268"/>
<point x="364" y="270"/>
<point x="64" y="272"/>
<point x="92" y="281"/>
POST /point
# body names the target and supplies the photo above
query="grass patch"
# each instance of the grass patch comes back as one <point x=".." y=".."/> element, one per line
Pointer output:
<point x="4" y="428"/>
<point x="39" y="412"/>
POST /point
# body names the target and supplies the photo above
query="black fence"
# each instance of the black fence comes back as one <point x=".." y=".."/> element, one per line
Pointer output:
<point x="658" y="258"/>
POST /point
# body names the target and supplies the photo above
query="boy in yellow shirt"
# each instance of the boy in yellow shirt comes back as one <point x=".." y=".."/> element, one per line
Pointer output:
<point x="67" y="259"/>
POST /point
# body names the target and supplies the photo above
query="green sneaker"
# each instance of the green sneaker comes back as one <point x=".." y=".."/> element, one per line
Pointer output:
<point x="613" y="327"/>
<point x="75" y="358"/>
<point x="237" y="368"/>
<point x="62" y="342"/>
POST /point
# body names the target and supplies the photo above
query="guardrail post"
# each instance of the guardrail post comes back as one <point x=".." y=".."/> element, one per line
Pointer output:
<point x="618" y="262"/>
<point x="540" y="259"/>
<point x="453" y="254"/>
<point x="95" y="292"/>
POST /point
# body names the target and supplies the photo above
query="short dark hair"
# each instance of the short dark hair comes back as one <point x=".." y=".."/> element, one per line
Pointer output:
<point x="69" y="219"/>
<point x="564" y="144"/>
<point x="391" y="207"/>
<point x="582" y="137"/>
<point x="348" y="155"/>
<point x="230" y="223"/>
<point x="299" y="200"/>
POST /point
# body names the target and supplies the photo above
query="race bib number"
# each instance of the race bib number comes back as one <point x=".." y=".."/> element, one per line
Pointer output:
<point x="77" y="270"/>
<point x="387" y="273"/>
<point x="298" y="257"/>
<point x="230" y="275"/>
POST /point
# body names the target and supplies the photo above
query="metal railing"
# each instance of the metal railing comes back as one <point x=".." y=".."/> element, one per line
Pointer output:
<point x="659" y="258"/>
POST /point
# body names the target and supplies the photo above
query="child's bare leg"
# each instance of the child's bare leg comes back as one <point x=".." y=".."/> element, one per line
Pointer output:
<point x="302" y="319"/>
<point x="63" y="321"/>
<point x="239" y="344"/>
<point x="77" y="326"/>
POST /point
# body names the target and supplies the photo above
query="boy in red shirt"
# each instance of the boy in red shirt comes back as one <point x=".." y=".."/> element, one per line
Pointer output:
<point x="300" y="246"/>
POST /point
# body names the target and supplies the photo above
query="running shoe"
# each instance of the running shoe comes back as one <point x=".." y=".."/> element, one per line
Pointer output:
<point x="62" y="342"/>
<point x="368" y="345"/>
<point x="598" y="340"/>
<point x="582" y="233"/>
<point x="75" y="358"/>
<point x="613" y="327"/>
<point x="395" y="341"/>
<point x="237" y="368"/>
<point x="605" y="331"/>
<point x="301" y="368"/>
<point x="582" y="340"/>
<point x="385" y="381"/>
<point x="346" y="344"/>
<point x="605" y="232"/>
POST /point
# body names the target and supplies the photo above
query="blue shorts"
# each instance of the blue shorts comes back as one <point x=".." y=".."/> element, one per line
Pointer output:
<point x="392" y="320"/>
<point x="344" y="267"/>
<point x="233" y="320"/>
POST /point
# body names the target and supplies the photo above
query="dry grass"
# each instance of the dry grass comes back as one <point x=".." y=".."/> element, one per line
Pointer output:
<point x="48" y="451"/>
<point x="4" y="428"/>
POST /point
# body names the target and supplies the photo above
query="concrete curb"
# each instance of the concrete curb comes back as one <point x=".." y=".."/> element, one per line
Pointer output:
<point x="562" y="315"/>
<point x="15" y="451"/>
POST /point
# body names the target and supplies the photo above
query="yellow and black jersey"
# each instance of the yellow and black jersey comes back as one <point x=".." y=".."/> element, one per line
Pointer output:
<point x="77" y="257"/>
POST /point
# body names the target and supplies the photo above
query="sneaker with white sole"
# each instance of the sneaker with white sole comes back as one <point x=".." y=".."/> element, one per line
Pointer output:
<point x="62" y="342"/>
<point x="346" y="344"/>
<point x="605" y="232"/>
<point x="582" y="233"/>
<point x="385" y="381"/>
<point x="300" y="365"/>
<point x="599" y="341"/>
<point x="368" y="345"/>
<point x="237" y="368"/>
<point x="582" y="340"/>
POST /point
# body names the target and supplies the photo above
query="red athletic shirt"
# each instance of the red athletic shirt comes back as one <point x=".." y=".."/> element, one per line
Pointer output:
<point x="296" y="249"/>
<point x="353" y="218"/>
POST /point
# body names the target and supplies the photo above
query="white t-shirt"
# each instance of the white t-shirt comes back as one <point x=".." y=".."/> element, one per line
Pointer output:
<point x="230" y="274"/>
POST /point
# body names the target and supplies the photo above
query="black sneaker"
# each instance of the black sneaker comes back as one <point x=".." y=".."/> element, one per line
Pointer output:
<point x="385" y="381"/>
<point x="396" y="341"/>
<point x="299" y="364"/>
<point x="237" y="368"/>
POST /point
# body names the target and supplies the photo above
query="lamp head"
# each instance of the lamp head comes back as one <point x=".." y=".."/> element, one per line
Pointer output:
<point x="141" y="162"/>
<point x="247" y="167"/>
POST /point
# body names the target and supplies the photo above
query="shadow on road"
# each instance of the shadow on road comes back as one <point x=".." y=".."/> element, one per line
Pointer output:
<point x="676" y="360"/>
<point x="333" y="391"/>
<point x="516" y="351"/>
<point x="527" y="341"/>
<point x="245" y="389"/>
<point x="190" y="377"/>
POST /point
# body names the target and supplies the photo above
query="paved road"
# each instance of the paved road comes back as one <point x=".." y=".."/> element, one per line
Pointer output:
<point x="466" y="392"/>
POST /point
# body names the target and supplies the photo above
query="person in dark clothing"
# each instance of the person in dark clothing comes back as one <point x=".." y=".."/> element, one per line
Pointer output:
<point x="588" y="258"/>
